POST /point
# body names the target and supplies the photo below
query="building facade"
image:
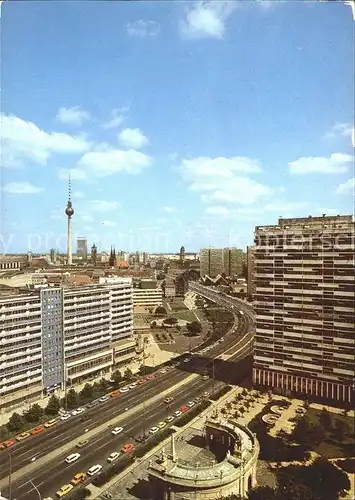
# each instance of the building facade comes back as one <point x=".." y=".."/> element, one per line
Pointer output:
<point x="58" y="336"/>
<point x="250" y="271"/>
<point x="304" y="302"/>
<point x="82" y="248"/>
<point x="214" y="261"/>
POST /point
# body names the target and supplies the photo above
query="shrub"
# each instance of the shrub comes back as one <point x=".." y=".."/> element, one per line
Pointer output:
<point x="221" y="392"/>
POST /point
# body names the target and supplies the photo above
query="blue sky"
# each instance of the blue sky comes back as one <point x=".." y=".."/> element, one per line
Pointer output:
<point x="181" y="123"/>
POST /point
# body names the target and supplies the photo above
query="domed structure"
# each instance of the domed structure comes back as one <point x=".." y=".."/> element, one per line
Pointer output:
<point x="69" y="210"/>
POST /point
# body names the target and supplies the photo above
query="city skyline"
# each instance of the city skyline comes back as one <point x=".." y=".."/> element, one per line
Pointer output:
<point x="253" y="131"/>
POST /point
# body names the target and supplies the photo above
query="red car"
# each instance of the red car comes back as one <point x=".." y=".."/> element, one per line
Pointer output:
<point x="127" y="448"/>
<point x="149" y="377"/>
<point x="37" y="430"/>
<point x="7" y="443"/>
<point x="184" y="408"/>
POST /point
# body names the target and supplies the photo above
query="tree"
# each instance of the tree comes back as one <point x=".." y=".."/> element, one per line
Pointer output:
<point x="15" y="422"/>
<point x="325" y="419"/>
<point x="170" y="320"/>
<point x="71" y="399"/>
<point x="325" y="479"/>
<point x="86" y="392"/>
<point x="117" y="378"/>
<point x="128" y="374"/>
<point x="194" y="327"/>
<point x="262" y="493"/>
<point x="53" y="406"/>
<point x="34" y="413"/>
<point x="160" y="310"/>
<point x="103" y="385"/>
<point x="341" y="430"/>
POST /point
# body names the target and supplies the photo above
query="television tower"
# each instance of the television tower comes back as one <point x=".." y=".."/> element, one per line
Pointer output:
<point x="69" y="212"/>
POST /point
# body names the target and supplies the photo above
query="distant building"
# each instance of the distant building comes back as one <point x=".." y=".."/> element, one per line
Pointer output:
<point x="53" y="256"/>
<point x="94" y="254"/>
<point x="304" y="301"/>
<point x="146" y="293"/>
<point x="214" y="261"/>
<point x="82" y="248"/>
<point x="9" y="262"/>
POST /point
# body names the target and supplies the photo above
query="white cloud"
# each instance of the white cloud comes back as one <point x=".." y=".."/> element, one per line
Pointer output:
<point x="109" y="223"/>
<point x="118" y="116"/>
<point x="351" y="4"/>
<point x="21" y="188"/>
<point x="143" y="28"/>
<point x="132" y="138"/>
<point x="23" y="140"/>
<point x="221" y="180"/>
<point x="101" y="164"/>
<point x="217" y="210"/>
<point x="340" y="129"/>
<point x="170" y="210"/>
<point x="206" y="19"/>
<point x="347" y="187"/>
<point x="337" y="163"/>
<point x="73" y="116"/>
<point x="103" y="206"/>
<point x="78" y="195"/>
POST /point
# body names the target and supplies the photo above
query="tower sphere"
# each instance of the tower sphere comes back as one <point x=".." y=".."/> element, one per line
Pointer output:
<point x="69" y="210"/>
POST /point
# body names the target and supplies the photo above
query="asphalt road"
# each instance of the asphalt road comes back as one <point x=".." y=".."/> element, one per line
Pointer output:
<point x="57" y="473"/>
<point x="53" y="475"/>
<point x="65" y="431"/>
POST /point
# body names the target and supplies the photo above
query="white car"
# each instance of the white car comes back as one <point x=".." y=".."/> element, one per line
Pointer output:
<point x="116" y="430"/>
<point x="169" y="419"/>
<point x="132" y="386"/>
<point x="114" y="456"/>
<point x="65" y="416"/>
<point x="153" y="430"/>
<point x="72" y="458"/>
<point x="177" y="413"/>
<point x="124" y="389"/>
<point x="94" y="469"/>
<point x="163" y="370"/>
<point x="104" y="398"/>
<point x="78" y="411"/>
<point x="190" y="404"/>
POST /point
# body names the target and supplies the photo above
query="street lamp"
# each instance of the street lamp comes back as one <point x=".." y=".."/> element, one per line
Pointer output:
<point x="35" y="487"/>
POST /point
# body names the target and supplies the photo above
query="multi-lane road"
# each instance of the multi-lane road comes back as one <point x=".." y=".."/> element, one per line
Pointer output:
<point x="54" y="473"/>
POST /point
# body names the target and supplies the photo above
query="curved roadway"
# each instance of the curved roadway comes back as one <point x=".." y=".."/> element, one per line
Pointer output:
<point x="51" y="474"/>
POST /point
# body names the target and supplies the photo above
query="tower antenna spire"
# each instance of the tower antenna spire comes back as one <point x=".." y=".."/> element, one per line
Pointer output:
<point x="69" y="188"/>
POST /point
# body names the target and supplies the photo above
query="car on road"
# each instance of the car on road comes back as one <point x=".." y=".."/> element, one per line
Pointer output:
<point x="7" y="444"/>
<point x="177" y="413"/>
<point x="65" y="416"/>
<point x="187" y="360"/>
<point x="190" y="404"/>
<point x="149" y="377"/>
<point x="114" y="456"/>
<point x="184" y="408"/>
<point x="197" y="400"/>
<point x="94" y="469"/>
<point x="205" y="394"/>
<point x="104" y="398"/>
<point x="132" y="386"/>
<point x="168" y="400"/>
<point x="78" y="478"/>
<point x="123" y="390"/>
<point x="115" y="393"/>
<point x="169" y="419"/>
<point x="50" y="423"/>
<point x="163" y="370"/>
<point x="78" y="411"/>
<point x="82" y="443"/>
<point x="22" y="436"/>
<point x="37" y="430"/>
<point x="127" y="448"/>
<point x="72" y="458"/>
<point x="116" y="430"/>
<point x="205" y="377"/>
<point x="92" y="404"/>
<point x="64" y="490"/>
<point x="154" y="430"/>
<point x="141" y="381"/>
<point x="161" y="425"/>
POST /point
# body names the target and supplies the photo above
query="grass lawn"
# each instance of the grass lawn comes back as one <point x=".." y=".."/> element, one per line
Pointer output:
<point x="177" y="305"/>
<point x="186" y="315"/>
<point x="330" y="448"/>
